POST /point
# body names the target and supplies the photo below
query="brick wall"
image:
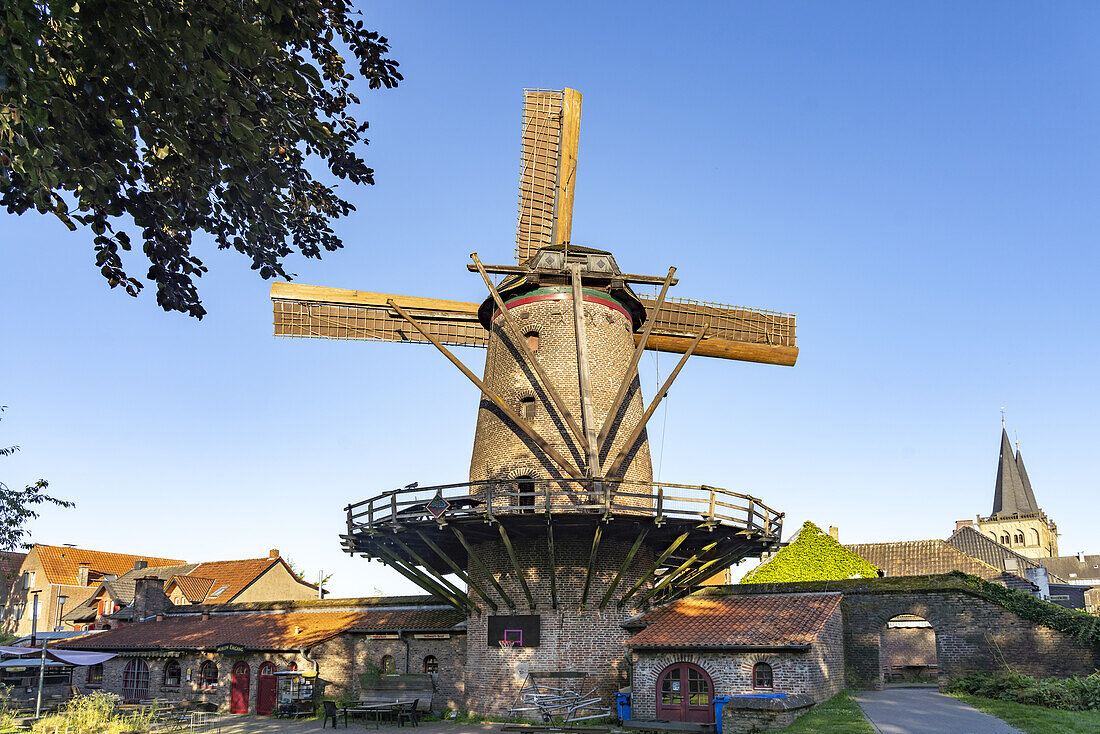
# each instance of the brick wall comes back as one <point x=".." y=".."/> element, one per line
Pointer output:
<point x="908" y="646"/>
<point x="571" y="639"/>
<point x="818" y="672"/>
<point x="502" y="451"/>
<point x="970" y="633"/>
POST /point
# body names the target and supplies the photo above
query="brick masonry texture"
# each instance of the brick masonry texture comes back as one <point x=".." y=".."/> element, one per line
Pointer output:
<point x="818" y="672"/>
<point x="571" y="639"/>
<point x="908" y="646"/>
<point x="970" y="633"/>
<point x="503" y="452"/>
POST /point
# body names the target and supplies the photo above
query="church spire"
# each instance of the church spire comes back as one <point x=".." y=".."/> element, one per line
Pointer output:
<point x="1012" y="493"/>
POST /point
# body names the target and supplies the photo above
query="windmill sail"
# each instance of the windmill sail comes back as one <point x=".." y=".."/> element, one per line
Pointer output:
<point x="548" y="164"/>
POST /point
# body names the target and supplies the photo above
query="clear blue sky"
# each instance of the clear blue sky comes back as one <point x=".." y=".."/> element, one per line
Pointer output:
<point x="917" y="182"/>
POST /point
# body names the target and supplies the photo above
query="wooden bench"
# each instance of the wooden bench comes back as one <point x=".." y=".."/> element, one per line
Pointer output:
<point x="406" y="687"/>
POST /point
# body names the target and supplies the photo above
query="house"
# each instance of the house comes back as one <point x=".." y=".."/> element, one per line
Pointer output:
<point x="932" y="557"/>
<point x="62" y="577"/>
<point x="10" y="563"/>
<point x="241" y="657"/>
<point x="776" y="655"/>
<point x="250" y="579"/>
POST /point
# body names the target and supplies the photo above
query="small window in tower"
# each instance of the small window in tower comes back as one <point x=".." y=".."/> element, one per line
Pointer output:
<point x="525" y="490"/>
<point x="532" y="338"/>
<point x="1005" y="540"/>
<point x="527" y="407"/>
<point x="1018" y="538"/>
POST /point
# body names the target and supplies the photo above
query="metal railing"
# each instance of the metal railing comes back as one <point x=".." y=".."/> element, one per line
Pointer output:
<point x="487" y="500"/>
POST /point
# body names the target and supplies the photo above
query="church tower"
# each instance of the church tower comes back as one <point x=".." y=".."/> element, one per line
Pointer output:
<point x="1016" y="520"/>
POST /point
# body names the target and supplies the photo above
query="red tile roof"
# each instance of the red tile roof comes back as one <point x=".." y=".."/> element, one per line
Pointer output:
<point x="264" y="630"/>
<point x="764" y="620"/>
<point x="61" y="564"/>
<point x="931" y="557"/>
<point x="194" y="589"/>
<point x="10" y="564"/>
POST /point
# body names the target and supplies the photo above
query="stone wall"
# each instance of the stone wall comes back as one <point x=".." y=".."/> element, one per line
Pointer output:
<point x="818" y="672"/>
<point x="970" y="634"/>
<point x="571" y="640"/>
<point x="908" y="646"/>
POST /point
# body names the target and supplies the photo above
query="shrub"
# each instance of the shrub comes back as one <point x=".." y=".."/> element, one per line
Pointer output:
<point x="1069" y="694"/>
<point x="813" y="556"/>
<point x="96" y="712"/>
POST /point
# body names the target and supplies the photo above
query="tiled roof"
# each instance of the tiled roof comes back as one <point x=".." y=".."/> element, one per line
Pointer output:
<point x="10" y="563"/>
<point x="930" y="557"/>
<point x="61" y="564"/>
<point x="265" y="630"/>
<point x="765" y="620"/>
<point x="1070" y="567"/>
<point x="976" y="545"/>
<point x="194" y="588"/>
<point x="233" y="575"/>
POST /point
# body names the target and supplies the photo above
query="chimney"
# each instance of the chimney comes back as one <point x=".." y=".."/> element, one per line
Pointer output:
<point x="273" y="553"/>
<point x="149" y="598"/>
<point x="205" y="616"/>
<point x="139" y="565"/>
<point x="1080" y="556"/>
<point x="82" y="575"/>
<point x="960" y="524"/>
<point x="835" y="532"/>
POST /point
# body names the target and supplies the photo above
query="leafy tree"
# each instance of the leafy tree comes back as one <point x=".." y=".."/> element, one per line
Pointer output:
<point x="184" y="116"/>
<point x="17" y="506"/>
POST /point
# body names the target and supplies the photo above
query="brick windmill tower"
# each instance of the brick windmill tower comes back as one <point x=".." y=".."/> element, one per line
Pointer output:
<point x="560" y="533"/>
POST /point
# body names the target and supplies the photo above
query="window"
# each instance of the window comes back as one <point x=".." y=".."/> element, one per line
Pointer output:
<point x="208" y="675"/>
<point x="135" y="681"/>
<point x="1018" y="538"/>
<point x="525" y="487"/>
<point x="387" y="665"/>
<point x="172" y="674"/>
<point x="762" y="676"/>
<point x="527" y="407"/>
<point x="698" y="688"/>
<point x="431" y="665"/>
<point x="217" y="593"/>
<point x="28" y="579"/>
<point x="532" y="338"/>
<point x="1005" y="540"/>
<point x="95" y="674"/>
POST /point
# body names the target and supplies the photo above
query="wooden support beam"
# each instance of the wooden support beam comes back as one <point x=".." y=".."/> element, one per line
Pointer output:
<point x="515" y="564"/>
<point x="628" y="378"/>
<point x="512" y="415"/>
<point x="711" y="566"/>
<point x="591" y="564"/>
<point x="553" y="567"/>
<point x="675" y="572"/>
<point x="634" y="434"/>
<point x="420" y="579"/>
<point x="472" y="556"/>
<point x="521" y="342"/>
<point x="427" y="570"/>
<point x="567" y="164"/>
<point x="622" y="567"/>
<point x="657" y="564"/>
<point x="457" y="570"/>
<point x="588" y="416"/>
<point x="726" y="349"/>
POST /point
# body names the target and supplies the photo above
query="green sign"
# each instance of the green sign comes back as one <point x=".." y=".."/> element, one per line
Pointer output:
<point x="229" y="648"/>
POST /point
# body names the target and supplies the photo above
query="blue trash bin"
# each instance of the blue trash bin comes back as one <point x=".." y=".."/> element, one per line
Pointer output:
<point x="719" y="704"/>
<point x="622" y="701"/>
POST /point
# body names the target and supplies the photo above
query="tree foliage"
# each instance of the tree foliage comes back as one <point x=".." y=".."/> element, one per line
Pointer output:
<point x="184" y="116"/>
<point x="813" y="556"/>
<point x="19" y="506"/>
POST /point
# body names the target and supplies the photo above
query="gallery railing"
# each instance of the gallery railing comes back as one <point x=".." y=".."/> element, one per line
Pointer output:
<point x="487" y="500"/>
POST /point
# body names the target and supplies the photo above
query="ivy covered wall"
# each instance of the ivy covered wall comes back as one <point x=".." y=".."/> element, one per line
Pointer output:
<point x="812" y="556"/>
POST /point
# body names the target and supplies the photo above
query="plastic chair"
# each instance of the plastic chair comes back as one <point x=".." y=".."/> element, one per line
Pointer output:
<point x="331" y="712"/>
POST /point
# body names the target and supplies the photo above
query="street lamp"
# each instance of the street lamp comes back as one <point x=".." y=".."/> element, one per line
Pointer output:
<point x="60" y="610"/>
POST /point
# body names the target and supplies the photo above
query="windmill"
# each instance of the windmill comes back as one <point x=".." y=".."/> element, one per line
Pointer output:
<point x="560" y="516"/>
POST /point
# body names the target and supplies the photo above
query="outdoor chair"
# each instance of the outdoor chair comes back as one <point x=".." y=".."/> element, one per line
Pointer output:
<point x="407" y="712"/>
<point x="331" y="712"/>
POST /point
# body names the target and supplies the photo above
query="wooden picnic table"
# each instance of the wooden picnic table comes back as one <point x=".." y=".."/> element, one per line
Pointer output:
<point x="377" y="709"/>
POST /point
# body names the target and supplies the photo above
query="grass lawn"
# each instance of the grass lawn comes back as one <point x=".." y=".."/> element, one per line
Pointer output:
<point x="838" y="715"/>
<point x="1037" y="719"/>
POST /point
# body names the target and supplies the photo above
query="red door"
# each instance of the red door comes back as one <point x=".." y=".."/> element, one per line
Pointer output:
<point x="238" y="692"/>
<point x="265" y="690"/>
<point x="685" y="693"/>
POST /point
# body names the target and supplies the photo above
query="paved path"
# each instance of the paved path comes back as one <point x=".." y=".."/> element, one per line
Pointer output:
<point x="268" y="725"/>
<point x="924" y="710"/>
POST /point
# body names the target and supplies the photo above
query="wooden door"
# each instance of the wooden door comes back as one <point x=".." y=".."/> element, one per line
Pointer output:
<point x="685" y="693"/>
<point x="265" y="690"/>
<point x="239" y="688"/>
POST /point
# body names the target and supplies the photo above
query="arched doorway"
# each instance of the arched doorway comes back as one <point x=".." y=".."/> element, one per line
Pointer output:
<point x="239" y="687"/>
<point x="685" y="693"/>
<point x="135" y="681"/>
<point x="907" y="651"/>
<point x="265" y="690"/>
